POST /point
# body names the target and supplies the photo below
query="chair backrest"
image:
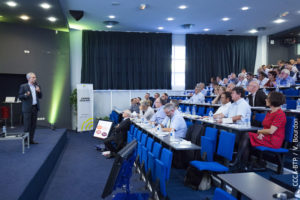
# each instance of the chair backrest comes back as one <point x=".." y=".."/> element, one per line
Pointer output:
<point x="182" y="107"/>
<point x="132" y="129"/>
<point x="226" y="145"/>
<point x="221" y="194"/>
<point x="291" y="92"/>
<point x="194" y="133"/>
<point x="166" y="158"/>
<point x="207" y="146"/>
<point x="135" y="130"/>
<point x="260" y="117"/>
<point x="156" y="150"/>
<point x="291" y="104"/>
<point x="289" y="129"/>
<point x="200" y="111"/>
<point x="149" y="144"/>
<point x="138" y="135"/>
<point x="144" y="139"/>
<point x="188" y="123"/>
<point x="213" y="134"/>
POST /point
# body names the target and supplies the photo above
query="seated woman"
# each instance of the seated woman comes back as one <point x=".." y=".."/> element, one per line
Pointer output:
<point x="272" y="79"/>
<point x="217" y="99"/>
<point x="273" y="132"/>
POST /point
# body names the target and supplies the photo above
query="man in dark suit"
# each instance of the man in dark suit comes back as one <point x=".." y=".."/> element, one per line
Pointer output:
<point x="118" y="137"/>
<point x="257" y="97"/>
<point x="29" y="94"/>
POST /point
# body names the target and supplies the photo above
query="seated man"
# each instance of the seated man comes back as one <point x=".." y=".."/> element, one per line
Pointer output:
<point x="118" y="136"/>
<point x="160" y="115"/>
<point x="202" y="89"/>
<point x="233" y="79"/>
<point x="285" y="79"/>
<point x="198" y="97"/>
<point x="134" y="105"/>
<point x="226" y="103"/>
<point x="256" y="97"/>
<point x="174" y="121"/>
<point x="145" y="110"/>
<point x="242" y="80"/>
<point x="230" y="86"/>
<point x="238" y="109"/>
<point x="165" y="98"/>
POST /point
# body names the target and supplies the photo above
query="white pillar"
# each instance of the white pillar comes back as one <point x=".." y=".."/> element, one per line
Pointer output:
<point x="261" y="52"/>
<point x="75" y="56"/>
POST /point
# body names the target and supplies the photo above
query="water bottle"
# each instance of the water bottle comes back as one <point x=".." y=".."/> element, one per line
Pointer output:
<point x="194" y="110"/>
<point x="297" y="193"/>
<point x="298" y="105"/>
<point x="172" y="134"/>
<point x="247" y="120"/>
<point x="283" y="106"/>
<point x="187" y="111"/>
<point x="211" y="115"/>
<point x="277" y="88"/>
<point x="4" y="130"/>
<point x="179" y="109"/>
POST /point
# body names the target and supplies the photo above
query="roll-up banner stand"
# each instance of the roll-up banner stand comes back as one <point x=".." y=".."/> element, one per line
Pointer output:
<point x="85" y="107"/>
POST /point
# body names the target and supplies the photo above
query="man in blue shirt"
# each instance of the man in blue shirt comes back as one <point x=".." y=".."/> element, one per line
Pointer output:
<point x="285" y="79"/>
<point x="160" y="115"/>
<point x="174" y="121"/>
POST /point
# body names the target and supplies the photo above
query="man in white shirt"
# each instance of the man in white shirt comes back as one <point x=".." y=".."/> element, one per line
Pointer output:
<point x="202" y="89"/>
<point x="160" y="115"/>
<point x="145" y="110"/>
<point x="174" y="121"/>
<point x="198" y="97"/>
<point x="238" y="109"/>
<point x="226" y="103"/>
<point x="242" y="81"/>
<point x="262" y="79"/>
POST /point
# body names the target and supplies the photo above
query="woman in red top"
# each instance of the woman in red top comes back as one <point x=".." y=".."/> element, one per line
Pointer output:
<point x="272" y="79"/>
<point x="272" y="135"/>
<point x="273" y="132"/>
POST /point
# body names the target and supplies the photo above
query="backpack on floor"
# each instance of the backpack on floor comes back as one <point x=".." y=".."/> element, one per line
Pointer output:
<point x="197" y="180"/>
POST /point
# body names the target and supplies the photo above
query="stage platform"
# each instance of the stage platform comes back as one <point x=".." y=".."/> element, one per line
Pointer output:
<point x="23" y="176"/>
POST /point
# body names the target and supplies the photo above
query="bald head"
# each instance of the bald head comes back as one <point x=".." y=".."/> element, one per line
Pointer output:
<point x="253" y="87"/>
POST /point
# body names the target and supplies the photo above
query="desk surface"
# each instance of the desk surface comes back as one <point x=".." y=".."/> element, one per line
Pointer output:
<point x="236" y="127"/>
<point x="177" y="144"/>
<point x="252" y="185"/>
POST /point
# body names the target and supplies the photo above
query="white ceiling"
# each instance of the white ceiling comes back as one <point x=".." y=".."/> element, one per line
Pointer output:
<point x="202" y="13"/>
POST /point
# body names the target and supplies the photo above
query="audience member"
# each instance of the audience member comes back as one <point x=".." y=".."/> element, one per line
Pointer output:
<point x="233" y="79"/>
<point x="145" y="110"/>
<point x="148" y="98"/>
<point x="202" y="89"/>
<point x="198" y="97"/>
<point x="250" y="77"/>
<point x="242" y="81"/>
<point x="175" y="102"/>
<point x="225" y="82"/>
<point x="262" y="79"/>
<point x="230" y="86"/>
<point x="256" y="96"/>
<point x="174" y="121"/>
<point x="226" y="103"/>
<point x="284" y="79"/>
<point x="239" y="109"/>
<point x="165" y="98"/>
<point x="272" y="79"/>
<point x="156" y="95"/>
<point x="219" y="80"/>
<point x="134" y="106"/>
<point x="159" y="116"/>
<point x="217" y="99"/>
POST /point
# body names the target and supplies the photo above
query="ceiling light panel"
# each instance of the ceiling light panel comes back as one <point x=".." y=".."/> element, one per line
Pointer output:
<point x="245" y="8"/>
<point x="45" y="6"/>
<point x="11" y="3"/>
<point x="160" y="28"/>
<point x="111" y="17"/>
<point x="225" y="19"/>
<point x="182" y="7"/>
<point x="206" y="29"/>
<point x="279" y="21"/>
<point x="170" y="19"/>
<point x="24" y="17"/>
<point x="253" y="31"/>
<point x="52" y="19"/>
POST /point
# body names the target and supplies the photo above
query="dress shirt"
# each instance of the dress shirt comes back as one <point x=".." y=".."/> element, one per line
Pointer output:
<point x="135" y="108"/>
<point x="242" y="83"/>
<point x="33" y="93"/>
<point x="240" y="107"/>
<point x="147" y="114"/>
<point x="263" y="82"/>
<point x="159" y="116"/>
<point x="204" y="92"/>
<point x="285" y="82"/>
<point x="197" y="98"/>
<point x="177" y="123"/>
<point x="223" y="108"/>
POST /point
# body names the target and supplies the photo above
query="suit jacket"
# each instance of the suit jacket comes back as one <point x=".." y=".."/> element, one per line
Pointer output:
<point x="120" y="131"/>
<point x="260" y="99"/>
<point x="27" y="100"/>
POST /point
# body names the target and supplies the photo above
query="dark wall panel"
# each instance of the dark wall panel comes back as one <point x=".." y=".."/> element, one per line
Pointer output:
<point x="48" y="58"/>
<point x="281" y="52"/>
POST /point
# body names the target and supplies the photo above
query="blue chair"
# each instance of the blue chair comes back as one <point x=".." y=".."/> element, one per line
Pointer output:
<point x="225" y="150"/>
<point x="155" y="154"/>
<point x="200" y="111"/>
<point x="146" y="149"/>
<point x="138" y="135"/>
<point x="222" y="195"/>
<point x="182" y="107"/>
<point x="129" y="136"/>
<point x="140" y="147"/>
<point x="213" y="134"/>
<point x="132" y="129"/>
<point x="208" y="109"/>
<point x="207" y="148"/>
<point x="291" y="104"/>
<point x="260" y="117"/>
<point x="162" y="171"/>
<point x="280" y="153"/>
<point x="291" y="92"/>
<point x="188" y="123"/>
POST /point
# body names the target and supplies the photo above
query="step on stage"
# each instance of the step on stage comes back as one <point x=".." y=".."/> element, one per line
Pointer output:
<point x="23" y="176"/>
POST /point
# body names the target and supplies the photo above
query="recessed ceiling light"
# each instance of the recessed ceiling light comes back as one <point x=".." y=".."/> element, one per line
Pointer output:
<point x="24" y="17"/>
<point x="45" y="5"/>
<point x="225" y="19"/>
<point x="160" y="28"/>
<point x="52" y="19"/>
<point x="170" y="19"/>
<point x="245" y="8"/>
<point x="253" y="31"/>
<point x="143" y="6"/>
<point x="109" y="26"/>
<point x="298" y="11"/>
<point x="206" y="29"/>
<point x="111" y="17"/>
<point x="182" y="7"/>
<point x="279" y="21"/>
<point x="11" y="3"/>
